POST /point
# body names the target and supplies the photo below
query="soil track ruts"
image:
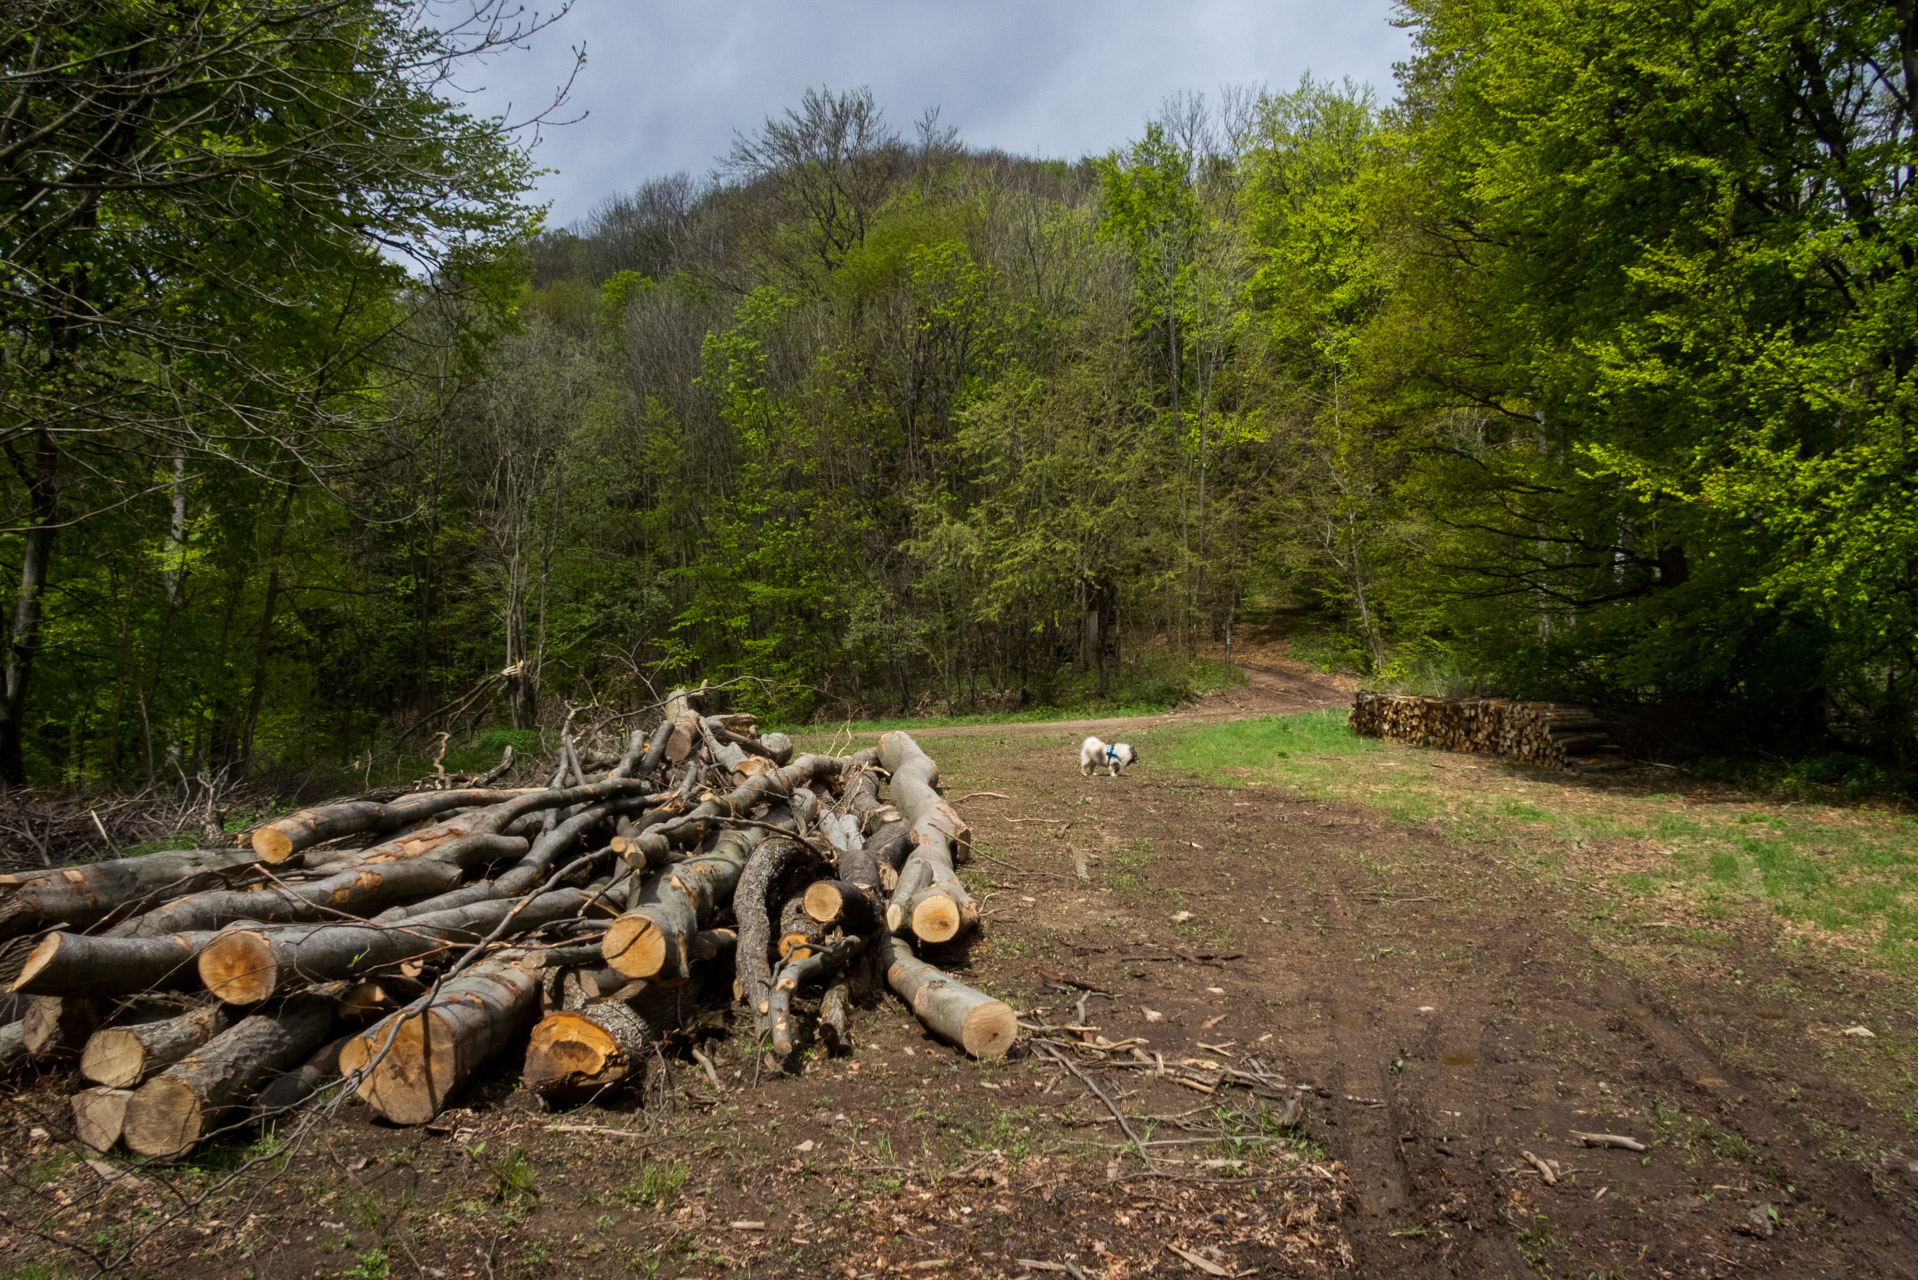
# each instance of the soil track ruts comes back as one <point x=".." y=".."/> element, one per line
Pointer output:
<point x="1270" y="689"/>
<point x="1446" y="1011"/>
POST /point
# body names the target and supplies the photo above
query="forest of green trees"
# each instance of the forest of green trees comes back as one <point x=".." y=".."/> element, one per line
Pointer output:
<point x="1580" y="365"/>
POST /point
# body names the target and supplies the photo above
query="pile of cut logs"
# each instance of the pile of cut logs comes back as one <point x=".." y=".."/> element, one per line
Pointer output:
<point x="389" y="948"/>
<point x="1550" y="734"/>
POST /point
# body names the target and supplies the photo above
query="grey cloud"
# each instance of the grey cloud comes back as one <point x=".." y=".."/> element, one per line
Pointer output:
<point x="666" y="84"/>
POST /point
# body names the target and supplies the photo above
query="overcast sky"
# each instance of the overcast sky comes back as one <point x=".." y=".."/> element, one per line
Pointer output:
<point x="666" y="83"/>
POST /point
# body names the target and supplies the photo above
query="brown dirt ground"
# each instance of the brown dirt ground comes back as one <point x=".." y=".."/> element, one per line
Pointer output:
<point x="1445" y="1015"/>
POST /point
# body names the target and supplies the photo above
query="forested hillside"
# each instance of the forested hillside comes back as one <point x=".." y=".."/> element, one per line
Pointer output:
<point x="1581" y="368"/>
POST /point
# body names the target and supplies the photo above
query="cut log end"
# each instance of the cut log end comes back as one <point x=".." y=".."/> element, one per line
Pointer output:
<point x="410" y="1082"/>
<point x="570" y="1055"/>
<point x="99" y="1115"/>
<point x="989" y="1030"/>
<point x="636" y="946"/>
<point x="41" y="956"/>
<point x="164" y="1117"/>
<point x="937" y="918"/>
<point x="114" y="1057"/>
<point x="273" y="845"/>
<point x="239" y="967"/>
<point x="824" y="902"/>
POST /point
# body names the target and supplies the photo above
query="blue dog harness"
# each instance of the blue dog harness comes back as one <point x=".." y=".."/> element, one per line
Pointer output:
<point x="1112" y="754"/>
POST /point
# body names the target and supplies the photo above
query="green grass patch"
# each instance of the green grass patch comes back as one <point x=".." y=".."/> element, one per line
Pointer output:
<point x="1266" y="743"/>
<point x="1153" y="685"/>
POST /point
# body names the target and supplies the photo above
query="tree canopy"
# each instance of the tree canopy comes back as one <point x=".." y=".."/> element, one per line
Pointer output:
<point x="1578" y="369"/>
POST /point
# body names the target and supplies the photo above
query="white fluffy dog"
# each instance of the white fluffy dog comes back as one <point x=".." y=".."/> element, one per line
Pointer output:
<point x="1115" y="756"/>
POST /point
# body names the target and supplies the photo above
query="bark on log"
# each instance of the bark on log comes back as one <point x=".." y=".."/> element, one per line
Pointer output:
<point x="288" y="1090"/>
<point x="283" y="838"/>
<point x="244" y="966"/>
<point x="982" y="1026"/>
<point x="656" y="748"/>
<point x="635" y="751"/>
<point x="98" y="1115"/>
<point x="581" y="1053"/>
<point x="58" y="1026"/>
<point x="891" y="844"/>
<point x="915" y="794"/>
<point x="80" y="964"/>
<point x="13" y="1047"/>
<point x="835" y="1018"/>
<point x="171" y="1112"/>
<point x="357" y="892"/>
<point x="436" y="1050"/>
<point x="656" y="938"/>
<point x="800" y="971"/>
<point x="799" y="933"/>
<point x="770" y="862"/>
<point x="121" y="1057"/>
<point x="87" y="894"/>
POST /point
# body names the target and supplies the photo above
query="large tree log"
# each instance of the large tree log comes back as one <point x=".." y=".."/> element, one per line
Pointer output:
<point x="982" y="1026"/>
<point x="244" y="966"/>
<point x="86" y="894"/>
<point x="437" y="1050"/>
<point x="915" y="794"/>
<point x="121" y="1057"/>
<point x="98" y="1116"/>
<point x="799" y="971"/>
<point x="769" y="864"/>
<point x="357" y="892"/>
<point x="80" y="964"/>
<point x="929" y="896"/>
<point x="581" y="1053"/>
<point x="58" y="1026"/>
<point x="175" y="1109"/>
<point x="655" y="939"/>
<point x="283" y="838"/>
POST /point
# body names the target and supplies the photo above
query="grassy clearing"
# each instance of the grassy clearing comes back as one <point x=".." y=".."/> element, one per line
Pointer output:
<point x="1152" y="686"/>
<point x="1848" y="876"/>
<point x="1658" y="877"/>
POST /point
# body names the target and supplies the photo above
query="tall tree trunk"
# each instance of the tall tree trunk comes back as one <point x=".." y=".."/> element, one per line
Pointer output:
<point x="24" y="640"/>
<point x="257" y="697"/>
<point x="176" y="535"/>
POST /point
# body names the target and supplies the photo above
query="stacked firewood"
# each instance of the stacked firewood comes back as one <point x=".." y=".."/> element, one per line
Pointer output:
<point x="391" y="947"/>
<point x="1549" y="734"/>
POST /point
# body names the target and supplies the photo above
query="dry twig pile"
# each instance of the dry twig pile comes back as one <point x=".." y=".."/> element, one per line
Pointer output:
<point x="1550" y="734"/>
<point x="392" y="946"/>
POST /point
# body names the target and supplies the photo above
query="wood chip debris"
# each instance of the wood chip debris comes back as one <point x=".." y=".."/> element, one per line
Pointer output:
<point x="1210" y="1268"/>
<point x="1618" y="1140"/>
